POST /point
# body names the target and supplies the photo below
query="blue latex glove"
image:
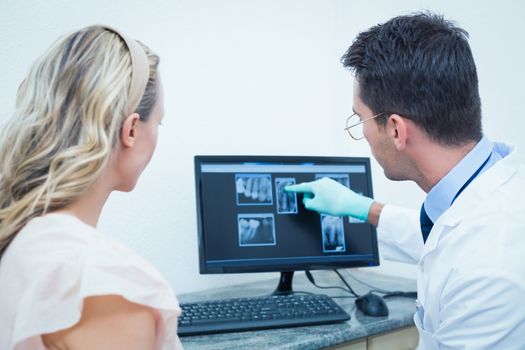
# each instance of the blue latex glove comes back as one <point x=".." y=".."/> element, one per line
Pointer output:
<point x="327" y="196"/>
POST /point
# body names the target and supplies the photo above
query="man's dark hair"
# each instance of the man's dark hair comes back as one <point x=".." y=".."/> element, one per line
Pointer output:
<point x="421" y="67"/>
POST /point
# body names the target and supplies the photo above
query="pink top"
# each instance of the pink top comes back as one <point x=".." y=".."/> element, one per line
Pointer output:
<point x="54" y="263"/>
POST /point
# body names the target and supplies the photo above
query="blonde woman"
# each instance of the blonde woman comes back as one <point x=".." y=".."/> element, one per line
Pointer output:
<point x="85" y="125"/>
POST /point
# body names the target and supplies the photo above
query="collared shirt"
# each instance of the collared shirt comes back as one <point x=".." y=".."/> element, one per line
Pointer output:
<point x="441" y="196"/>
<point x="471" y="271"/>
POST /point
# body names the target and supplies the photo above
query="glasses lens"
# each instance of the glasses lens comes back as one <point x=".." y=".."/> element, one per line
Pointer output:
<point x="357" y="131"/>
<point x="351" y="120"/>
<point x="354" y="127"/>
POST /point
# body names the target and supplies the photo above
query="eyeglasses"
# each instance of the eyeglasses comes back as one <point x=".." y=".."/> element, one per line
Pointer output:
<point x="356" y="125"/>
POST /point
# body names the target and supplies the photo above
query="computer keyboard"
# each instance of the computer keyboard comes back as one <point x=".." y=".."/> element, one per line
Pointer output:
<point x="272" y="311"/>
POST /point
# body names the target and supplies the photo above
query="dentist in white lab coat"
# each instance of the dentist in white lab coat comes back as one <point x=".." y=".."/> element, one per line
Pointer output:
<point x="416" y="102"/>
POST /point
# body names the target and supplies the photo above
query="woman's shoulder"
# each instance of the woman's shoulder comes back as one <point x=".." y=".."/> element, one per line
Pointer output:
<point x="57" y="238"/>
<point x="56" y="261"/>
<point x="55" y="234"/>
<point x="53" y="231"/>
<point x="47" y="240"/>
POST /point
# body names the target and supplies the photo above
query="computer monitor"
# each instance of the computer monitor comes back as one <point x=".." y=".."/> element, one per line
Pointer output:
<point x="248" y="223"/>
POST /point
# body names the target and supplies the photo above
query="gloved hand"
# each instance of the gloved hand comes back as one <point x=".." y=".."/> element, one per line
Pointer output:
<point x="329" y="197"/>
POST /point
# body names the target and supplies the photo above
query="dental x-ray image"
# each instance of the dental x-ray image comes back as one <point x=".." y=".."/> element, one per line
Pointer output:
<point x="343" y="179"/>
<point x="286" y="201"/>
<point x="353" y="220"/>
<point x="333" y="234"/>
<point x="254" y="189"/>
<point x="256" y="230"/>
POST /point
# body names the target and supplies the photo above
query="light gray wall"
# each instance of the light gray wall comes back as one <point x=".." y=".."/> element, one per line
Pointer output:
<point x="253" y="77"/>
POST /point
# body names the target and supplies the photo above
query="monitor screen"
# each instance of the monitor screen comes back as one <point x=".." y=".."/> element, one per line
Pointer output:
<point x="248" y="223"/>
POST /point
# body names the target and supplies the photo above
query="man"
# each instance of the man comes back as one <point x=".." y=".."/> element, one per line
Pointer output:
<point x="416" y="99"/>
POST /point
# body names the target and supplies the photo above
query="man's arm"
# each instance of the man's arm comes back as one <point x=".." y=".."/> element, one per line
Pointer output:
<point x="108" y="323"/>
<point x="399" y="235"/>
<point x="328" y="196"/>
<point x="375" y="213"/>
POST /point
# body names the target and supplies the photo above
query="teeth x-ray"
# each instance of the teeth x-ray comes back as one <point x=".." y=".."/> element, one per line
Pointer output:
<point x="253" y="189"/>
<point x="286" y="201"/>
<point x="256" y="229"/>
<point x="353" y="220"/>
<point x="333" y="234"/>
<point x="343" y="179"/>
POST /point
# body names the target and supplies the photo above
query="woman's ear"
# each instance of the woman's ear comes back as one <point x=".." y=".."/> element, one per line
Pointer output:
<point x="398" y="131"/>
<point x="129" y="130"/>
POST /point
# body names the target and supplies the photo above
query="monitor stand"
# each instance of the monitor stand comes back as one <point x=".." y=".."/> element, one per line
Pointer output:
<point x="285" y="283"/>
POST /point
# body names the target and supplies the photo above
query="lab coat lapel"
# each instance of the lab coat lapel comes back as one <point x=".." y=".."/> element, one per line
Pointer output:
<point x="478" y="191"/>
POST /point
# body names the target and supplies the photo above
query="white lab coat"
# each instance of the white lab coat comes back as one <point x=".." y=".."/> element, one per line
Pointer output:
<point x="471" y="281"/>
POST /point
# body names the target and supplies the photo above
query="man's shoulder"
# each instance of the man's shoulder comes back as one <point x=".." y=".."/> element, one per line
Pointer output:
<point x="489" y="236"/>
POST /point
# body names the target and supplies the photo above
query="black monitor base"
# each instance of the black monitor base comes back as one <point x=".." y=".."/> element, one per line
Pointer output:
<point x="285" y="283"/>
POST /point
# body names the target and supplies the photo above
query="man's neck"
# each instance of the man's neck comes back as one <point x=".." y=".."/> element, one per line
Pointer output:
<point x="434" y="161"/>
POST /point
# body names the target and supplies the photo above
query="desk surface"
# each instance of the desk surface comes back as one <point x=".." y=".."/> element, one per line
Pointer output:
<point x="313" y="337"/>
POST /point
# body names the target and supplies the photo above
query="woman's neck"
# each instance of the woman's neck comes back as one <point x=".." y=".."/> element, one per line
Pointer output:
<point x="88" y="206"/>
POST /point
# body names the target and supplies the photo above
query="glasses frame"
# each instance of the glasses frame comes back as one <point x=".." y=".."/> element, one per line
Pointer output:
<point x="361" y="122"/>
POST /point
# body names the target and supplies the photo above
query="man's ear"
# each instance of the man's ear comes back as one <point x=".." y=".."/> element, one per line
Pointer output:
<point x="129" y="130"/>
<point x="398" y="131"/>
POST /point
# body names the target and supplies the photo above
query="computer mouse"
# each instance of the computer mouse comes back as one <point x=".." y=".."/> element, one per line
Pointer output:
<point x="372" y="305"/>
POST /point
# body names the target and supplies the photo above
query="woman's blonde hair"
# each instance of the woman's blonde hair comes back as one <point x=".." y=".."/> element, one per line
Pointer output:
<point x="68" y="115"/>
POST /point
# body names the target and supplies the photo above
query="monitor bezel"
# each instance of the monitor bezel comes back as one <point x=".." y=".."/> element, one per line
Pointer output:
<point x="204" y="268"/>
